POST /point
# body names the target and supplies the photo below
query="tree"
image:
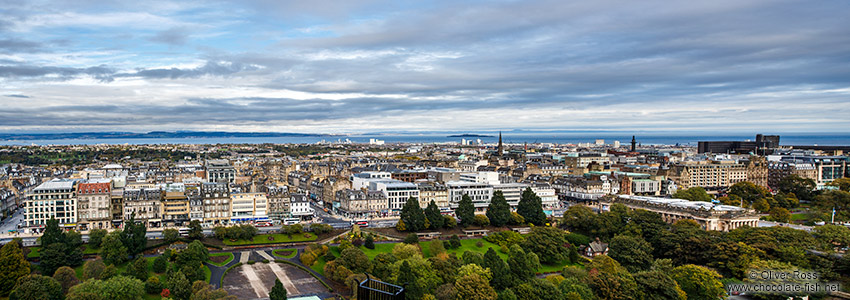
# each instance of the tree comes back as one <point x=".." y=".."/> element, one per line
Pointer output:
<point x="698" y="282"/>
<point x="118" y="287"/>
<point x="838" y="200"/>
<point x="96" y="236"/>
<point x="632" y="252"/>
<point x="278" y="292"/>
<point x="530" y="207"/>
<point x="194" y="254"/>
<point x="412" y="215"/>
<point x="549" y="243"/>
<point x="133" y="236"/>
<point x="400" y="225"/>
<point x="580" y="218"/>
<point x="465" y="211"/>
<point x="573" y="288"/>
<point x="66" y="278"/>
<point x="52" y="233"/>
<point x="833" y="235"/>
<point x="113" y="250"/>
<point x="481" y="220"/>
<point x="196" y="232"/>
<point x="449" y="222"/>
<point x="500" y="270"/>
<point x="180" y="286"/>
<point x="656" y="285"/>
<point x="473" y="257"/>
<point x="139" y="269"/>
<point x="153" y="286"/>
<point x="93" y="269"/>
<point x="160" y="263"/>
<point x="13" y="266"/>
<point x="761" y="205"/>
<point x="407" y="279"/>
<point x="411" y="239"/>
<point x="499" y="211"/>
<point x="170" y="235"/>
<point x="52" y="257"/>
<point x="204" y="291"/>
<point x="843" y="184"/>
<point x="800" y="186"/>
<point x="381" y="265"/>
<point x="734" y="259"/>
<point x="523" y="265"/>
<point x="780" y="214"/>
<point x="474" y="287"/>
<point x="355" y="260"/>
<point x="405" y="251"/>
<point x="435" y="218"/>
<point x="370" y="242"/>
<point x="36" y="287"/>
<point x="748" y="192"/>
<point x="694" y="194"/>
<point x="109" y="272"/>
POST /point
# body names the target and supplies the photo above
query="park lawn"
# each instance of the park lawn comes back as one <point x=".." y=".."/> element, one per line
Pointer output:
<point x="34" y="252"/>
<point x="278" y="252"/>
<point x="91" y="250"/>
<point x="544" y="268"/>
<point x="800" y="217"/>
<point x="264" y="239"/>
<point x="207" y="274"/>
<point x="465" y="245"/>
<point x="229" y="259"/>
<point x="319" y="266"/>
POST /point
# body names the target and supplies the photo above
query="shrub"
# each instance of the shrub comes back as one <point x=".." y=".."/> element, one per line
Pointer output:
<point x="330" y="256"/>
<point x="160" y="263"/>
<point x="370" y="242"/>
<point x="357" y="242"/>
<point x="479" y="244"/>
<point x="265" y="261"/>
<point x="321" y="228"/>
<point x="449" y="221"/>
<point x="437" y="248"/>
<point x="447" y="245"/>
<point x="308" y="258"/>
<point x="411" y="239"/>
<point x="251" y="262"/>
<point x="153" y="286"/>
<point x="455" y="241"/>
<point x="481" y="220"/>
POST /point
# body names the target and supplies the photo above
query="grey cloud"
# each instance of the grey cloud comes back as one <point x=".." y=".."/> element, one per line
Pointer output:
<point x="210" y="68"/>
<point x="101" y="72"/>
<point x="17" y="45"/>
<point x="17" y="96"/>
<point x="173" y="36"/>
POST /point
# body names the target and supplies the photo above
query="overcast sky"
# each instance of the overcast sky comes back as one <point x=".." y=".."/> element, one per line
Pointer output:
<point x="356" y="66"/>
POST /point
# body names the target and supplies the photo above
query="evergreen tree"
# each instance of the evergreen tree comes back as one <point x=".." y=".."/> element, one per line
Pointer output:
<point x="412" y="215"/>
<point x="500" y="270"/>
<point x="52" y="257"/>
<point x="133" y="236"/>
<point x="432" y="213"/>
<point x="13" y="265"/>
<point x="278" y="292"/>
<point x="465" y="211"/>
<point x="160" y="263"/>
<point x="523" y="265"/>
<point x="52" y="233"/>
<point x="370" y="242"/>
<point x="499" y="211"/>
<point x="112" y="249"/>
<point x="530" y="207"/>
<point x="195" y="230"/>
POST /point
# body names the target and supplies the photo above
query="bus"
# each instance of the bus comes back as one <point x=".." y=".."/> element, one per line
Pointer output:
<point x="361" y="223"/>
<point x="291" y="221"/>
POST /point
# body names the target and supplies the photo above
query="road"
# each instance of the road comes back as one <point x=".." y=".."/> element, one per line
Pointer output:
<point x="11" y="223"/>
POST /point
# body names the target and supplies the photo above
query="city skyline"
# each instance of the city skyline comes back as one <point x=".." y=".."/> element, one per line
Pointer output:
<point x="372" y="66"/>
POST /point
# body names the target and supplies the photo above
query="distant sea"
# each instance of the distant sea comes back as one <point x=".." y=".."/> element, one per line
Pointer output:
<point x="511" y="138"/>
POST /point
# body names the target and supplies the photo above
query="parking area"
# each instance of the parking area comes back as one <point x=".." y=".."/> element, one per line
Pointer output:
<point x="255" y="281"/>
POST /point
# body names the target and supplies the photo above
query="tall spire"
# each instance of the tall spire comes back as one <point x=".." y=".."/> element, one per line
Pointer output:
<point x="500" y="150"/>
<point x="633" y="143"/>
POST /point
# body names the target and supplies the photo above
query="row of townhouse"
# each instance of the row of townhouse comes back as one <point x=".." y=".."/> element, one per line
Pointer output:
<point x="106" y="203"/>
<point x="376" y="194"/>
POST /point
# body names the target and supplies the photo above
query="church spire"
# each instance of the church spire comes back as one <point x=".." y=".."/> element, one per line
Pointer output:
<point x="500" y="151"/>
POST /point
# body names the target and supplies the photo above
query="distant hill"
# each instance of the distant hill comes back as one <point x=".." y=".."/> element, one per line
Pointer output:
<point x="469" y="135"/>
<point x="149" y="135"/>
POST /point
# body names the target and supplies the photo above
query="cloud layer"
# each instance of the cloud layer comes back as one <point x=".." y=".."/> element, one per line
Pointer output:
<point x="443" y="65"/>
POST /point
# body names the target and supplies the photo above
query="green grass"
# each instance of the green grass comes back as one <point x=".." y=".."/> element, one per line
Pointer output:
<point x="207" y="273"/>
<point x="278" y="238"/>
<point x="151" y="297"/>
<point x="34" y="252"/>
<point x="465" y="245"/>
<point x="91" y="250"/>
<point x="319" y="266"/>
<point x="229" y="259"/>
<point x="278" y="252"/>
<point x="800" y="217"/>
